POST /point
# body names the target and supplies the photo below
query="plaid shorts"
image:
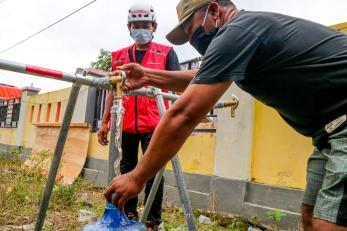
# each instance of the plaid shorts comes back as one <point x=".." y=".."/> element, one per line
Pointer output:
<point x="326" y="187"/>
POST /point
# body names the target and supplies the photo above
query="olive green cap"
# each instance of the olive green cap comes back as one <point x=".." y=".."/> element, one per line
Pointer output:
<point x="185" y="9"/>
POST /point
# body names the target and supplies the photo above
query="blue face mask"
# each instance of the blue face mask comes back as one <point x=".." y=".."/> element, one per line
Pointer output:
<point x="141" y="36"/>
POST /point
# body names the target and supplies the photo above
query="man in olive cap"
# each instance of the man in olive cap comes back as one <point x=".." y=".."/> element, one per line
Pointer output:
<point x="295" y="66"/>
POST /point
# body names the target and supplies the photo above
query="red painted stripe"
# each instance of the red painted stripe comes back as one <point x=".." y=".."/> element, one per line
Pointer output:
<point x="44" y="71"/>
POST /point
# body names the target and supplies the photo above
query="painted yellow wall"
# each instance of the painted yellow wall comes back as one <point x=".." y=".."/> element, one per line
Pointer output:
<point x="341" y="27"/>
<point x="279" y="153"/>
<point x="50" y="97"/>
<point x="95" y="150"/>
<point x="198" y="154"/>
<point x="8" y="136"/>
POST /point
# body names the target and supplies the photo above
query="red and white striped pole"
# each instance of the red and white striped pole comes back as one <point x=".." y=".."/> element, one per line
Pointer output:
<point x="54" y="74"/>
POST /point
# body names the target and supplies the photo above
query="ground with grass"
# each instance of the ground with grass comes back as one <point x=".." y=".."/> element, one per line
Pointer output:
<point x="21" y="189"/>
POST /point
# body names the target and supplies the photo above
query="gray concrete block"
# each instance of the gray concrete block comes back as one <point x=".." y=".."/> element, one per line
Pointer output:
<point x="7" y="151"/>
<point x="96" y="164"/>
<point x="96" y="177"/>
<point x="197" y="200"/>
<point x="228" y="194"/>
<point x="275" y="197"/>
<point x="290" y="221"/>
<point x="194" y="182"/>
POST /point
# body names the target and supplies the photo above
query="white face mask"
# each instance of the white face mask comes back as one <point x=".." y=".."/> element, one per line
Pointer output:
<point x="141" y="36"/>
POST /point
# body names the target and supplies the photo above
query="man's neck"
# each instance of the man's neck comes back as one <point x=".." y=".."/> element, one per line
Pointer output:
<point x="228" y="15"/>
<point x="142" y="47"/>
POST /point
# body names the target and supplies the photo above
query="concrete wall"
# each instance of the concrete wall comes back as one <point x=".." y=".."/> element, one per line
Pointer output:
<point x="198" y="154"/>
<point x="234" y="138"/>
<point x="279" y="153"/>
<point x="8" y="136"/>
<point x="51" y="100"/>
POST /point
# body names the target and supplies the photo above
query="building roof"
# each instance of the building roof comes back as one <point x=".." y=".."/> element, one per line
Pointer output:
<point x="9" y="92"/>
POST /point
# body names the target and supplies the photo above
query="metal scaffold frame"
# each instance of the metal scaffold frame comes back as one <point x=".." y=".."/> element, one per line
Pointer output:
<point x="114" y="84"/>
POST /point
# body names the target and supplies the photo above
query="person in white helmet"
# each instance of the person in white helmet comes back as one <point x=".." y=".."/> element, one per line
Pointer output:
<point x="141" y="113"/>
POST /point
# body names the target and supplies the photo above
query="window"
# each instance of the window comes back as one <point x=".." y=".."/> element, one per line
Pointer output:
<point x="39" y="114"/>
<point x="31" y="115"/>
<point x="57" y="112"/>
<point x="48" y="112"/>
<point x="3" y="112"/>
<point x="9" y="113"/>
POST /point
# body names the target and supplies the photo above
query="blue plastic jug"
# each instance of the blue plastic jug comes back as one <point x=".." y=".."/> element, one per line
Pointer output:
<point x="114" y="220"/>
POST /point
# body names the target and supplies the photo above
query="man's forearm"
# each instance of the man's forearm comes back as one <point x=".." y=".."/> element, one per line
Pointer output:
<point x="169" y="80"/>
<point x="107" y="113"/>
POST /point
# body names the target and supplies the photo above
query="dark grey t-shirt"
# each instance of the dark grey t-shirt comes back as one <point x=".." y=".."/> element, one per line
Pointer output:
<point x="293" y="65"/>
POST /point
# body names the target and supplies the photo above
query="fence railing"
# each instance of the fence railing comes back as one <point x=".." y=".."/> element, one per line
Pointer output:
<point x="9" y="113"/>
<point x="101" y="95"/>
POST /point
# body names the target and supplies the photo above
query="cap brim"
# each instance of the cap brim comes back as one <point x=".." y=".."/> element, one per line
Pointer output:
<point x="177" y="36"/>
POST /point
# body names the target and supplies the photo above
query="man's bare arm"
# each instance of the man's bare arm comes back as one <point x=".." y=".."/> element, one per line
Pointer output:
<point x="103" y="130"/>
<point x="169" y="80"/>
<point x="138" y="76"/>
<point x="108" y="105"/>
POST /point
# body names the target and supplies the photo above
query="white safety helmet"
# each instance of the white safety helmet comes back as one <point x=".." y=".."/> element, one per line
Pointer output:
<point x="141" y="12"/>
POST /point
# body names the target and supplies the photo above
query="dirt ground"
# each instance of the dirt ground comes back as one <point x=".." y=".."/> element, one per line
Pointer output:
<point x="21" y="190"/>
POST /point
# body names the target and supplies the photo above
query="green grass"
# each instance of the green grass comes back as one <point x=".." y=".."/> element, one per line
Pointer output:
<point x="174" y="218"/>
<point x="21" y="189"/>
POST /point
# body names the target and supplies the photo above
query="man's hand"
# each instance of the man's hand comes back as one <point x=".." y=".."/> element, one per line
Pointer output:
<point x="135" y="76"/>
<point x="102" y="134"/>
<point x="123" y="188"/>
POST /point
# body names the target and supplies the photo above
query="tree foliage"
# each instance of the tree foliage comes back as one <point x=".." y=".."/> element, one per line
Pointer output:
<point x="104" y="61"/>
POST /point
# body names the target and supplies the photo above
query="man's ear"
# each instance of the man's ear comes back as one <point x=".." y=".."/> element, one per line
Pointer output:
<point x="129" y="27"/>
<point x="215" y="9"/>
<point x="155" y="25"/>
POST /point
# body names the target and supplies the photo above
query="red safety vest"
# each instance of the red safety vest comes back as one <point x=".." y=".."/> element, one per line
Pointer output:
<point x="141" y="113"/>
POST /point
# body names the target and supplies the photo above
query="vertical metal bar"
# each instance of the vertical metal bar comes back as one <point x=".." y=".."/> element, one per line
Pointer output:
<point x="151" y="195"/>
<point x="57" y="156"/>
<point x="102" y="104"/>
<point x="178" y="175"/>
<point x="183" y="193"/>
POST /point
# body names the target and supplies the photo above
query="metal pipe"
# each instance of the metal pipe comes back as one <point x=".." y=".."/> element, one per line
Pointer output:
<point x="58" y="151"/>
<point x="182" y="191"/>
<point x="159" y="175"/>
<point x="150" y="92"/>
<point x="54" y="74"/>
<point x="101" y="83"/>
<point x="178" y="175"/>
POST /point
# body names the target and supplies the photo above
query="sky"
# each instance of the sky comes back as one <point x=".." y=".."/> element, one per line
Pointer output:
<point x="76" y="41"/>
